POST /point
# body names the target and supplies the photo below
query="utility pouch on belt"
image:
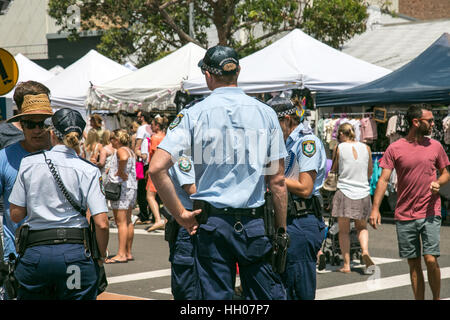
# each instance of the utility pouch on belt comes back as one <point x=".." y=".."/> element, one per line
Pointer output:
<point x="318" y="207"/>
<point x="171" y="228"/>
<point x="171" y="231"/>
<point x="280" y="247"/>
<point x="21" y="238"/>
<point x="201" y="218"/>
<point x="269" y="215"/>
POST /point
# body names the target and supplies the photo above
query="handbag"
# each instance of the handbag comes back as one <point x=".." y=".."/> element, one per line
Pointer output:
<point x="102" y="281"/>
<point x="139" y="170"/>
<point x="113" y="190"/>
<point x="330" y="183"/>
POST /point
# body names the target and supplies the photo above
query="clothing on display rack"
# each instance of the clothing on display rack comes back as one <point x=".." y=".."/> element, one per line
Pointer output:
<point x="328" y="125"/>
<point x="376" y="171"/>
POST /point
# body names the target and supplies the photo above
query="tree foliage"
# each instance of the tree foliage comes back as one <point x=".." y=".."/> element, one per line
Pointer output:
<point x="145" y="30"/>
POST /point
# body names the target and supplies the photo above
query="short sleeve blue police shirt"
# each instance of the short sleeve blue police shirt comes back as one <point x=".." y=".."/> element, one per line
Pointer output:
<point x="231" y="137"/>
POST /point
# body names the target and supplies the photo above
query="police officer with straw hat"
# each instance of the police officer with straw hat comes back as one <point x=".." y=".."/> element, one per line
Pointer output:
<point x="55" y="261"/>
<point x="237" y="148"/>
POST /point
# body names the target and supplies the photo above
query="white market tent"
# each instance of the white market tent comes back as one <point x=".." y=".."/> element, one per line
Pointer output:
<point x="297" y="61"/>
<point x="69" y="88"/>
<point x="151" y="87"/>
<point x="28" y="70"/>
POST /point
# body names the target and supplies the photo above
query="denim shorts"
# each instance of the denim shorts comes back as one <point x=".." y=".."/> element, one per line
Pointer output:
<point x="411" y="233"/>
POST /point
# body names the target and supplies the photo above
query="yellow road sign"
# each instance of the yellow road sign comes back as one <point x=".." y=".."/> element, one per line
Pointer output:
<point x="9" y="72"/>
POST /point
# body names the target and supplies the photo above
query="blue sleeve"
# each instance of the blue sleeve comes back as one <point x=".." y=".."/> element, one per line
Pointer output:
<point x="2" y="173"/>
<point x="308" y="153"/>
<point x="178" y="137"/>
<point x="96" y="201"/>
<point x="184" y="171"/>
<point x="18" y="194"/>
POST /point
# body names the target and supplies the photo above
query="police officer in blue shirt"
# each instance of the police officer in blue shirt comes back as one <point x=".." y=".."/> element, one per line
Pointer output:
<point x="184" y="279"/>
<point x="237" y="148"/>
<point x="56" y="262"/>
<point x="305" y="173"/>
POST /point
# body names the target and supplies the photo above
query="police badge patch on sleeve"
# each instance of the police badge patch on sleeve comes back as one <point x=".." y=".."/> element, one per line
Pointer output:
<point x="102" y="187"/>
<point x="176" y="121"/>
<point x="184" y="164"/>
<point x="309" y="148"/>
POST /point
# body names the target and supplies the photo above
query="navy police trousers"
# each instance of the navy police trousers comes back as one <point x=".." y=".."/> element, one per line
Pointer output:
<point x="57" y="272"/>
<point x="306" y="234"/>
<point x="225" y="240"/>
<point x="184" y="280"/>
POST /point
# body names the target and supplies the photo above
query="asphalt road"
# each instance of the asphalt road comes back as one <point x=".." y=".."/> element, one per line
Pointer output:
<point x="148" y="276"/>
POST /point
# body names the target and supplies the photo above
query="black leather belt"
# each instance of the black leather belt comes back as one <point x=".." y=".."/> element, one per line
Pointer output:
<point x="248" y="212"/>
<point x="56" y="236"/>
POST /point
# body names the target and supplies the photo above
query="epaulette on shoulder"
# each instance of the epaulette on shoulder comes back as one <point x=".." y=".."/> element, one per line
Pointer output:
<point x="87" y="161"/>
<point x="33" y="153"/>
<point x="191" y="104"/>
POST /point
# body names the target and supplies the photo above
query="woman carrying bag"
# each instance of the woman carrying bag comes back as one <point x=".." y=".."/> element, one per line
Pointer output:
<point x="353" y="162"/>
<point x="122" y="172"/>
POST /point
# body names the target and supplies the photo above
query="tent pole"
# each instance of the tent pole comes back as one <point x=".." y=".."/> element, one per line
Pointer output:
<point x="316" y="115"/>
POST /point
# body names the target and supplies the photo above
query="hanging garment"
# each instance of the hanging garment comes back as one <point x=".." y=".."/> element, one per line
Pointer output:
<point x="376" y="173"/>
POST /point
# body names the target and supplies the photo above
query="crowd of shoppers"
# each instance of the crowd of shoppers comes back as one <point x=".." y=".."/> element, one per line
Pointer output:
<point x="30" y="136"/>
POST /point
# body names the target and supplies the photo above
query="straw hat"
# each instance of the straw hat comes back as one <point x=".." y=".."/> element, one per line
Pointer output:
<point x="34" y="105"/>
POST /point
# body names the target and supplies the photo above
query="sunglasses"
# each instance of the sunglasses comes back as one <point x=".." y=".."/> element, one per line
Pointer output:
<point x="32" y="124"/>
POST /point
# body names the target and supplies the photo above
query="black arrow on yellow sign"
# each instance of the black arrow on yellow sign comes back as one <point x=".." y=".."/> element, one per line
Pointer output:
<point x="4" y="74"/>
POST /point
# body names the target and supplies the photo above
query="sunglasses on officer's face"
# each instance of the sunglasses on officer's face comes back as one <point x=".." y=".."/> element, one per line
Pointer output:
<point x="32" y="124"/>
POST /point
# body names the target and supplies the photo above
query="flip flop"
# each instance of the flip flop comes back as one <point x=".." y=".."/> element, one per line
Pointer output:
<point x="139" y="222"/>
<point x="113" y="261"/>
<point x="342" y="271"/>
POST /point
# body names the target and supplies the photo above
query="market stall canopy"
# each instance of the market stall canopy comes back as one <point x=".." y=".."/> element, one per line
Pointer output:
<point x="69" y="88"/>
<point x="426" y="79"/>
<point x="151" y="87"/>
<point x="28" y="70"/>
<point x="297" y="61"/>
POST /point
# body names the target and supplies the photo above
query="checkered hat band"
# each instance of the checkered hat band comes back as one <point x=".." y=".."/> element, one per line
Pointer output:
<point x="286" y="112"/>
<point x="212" y="69"/>
<point x="57" y="133"/>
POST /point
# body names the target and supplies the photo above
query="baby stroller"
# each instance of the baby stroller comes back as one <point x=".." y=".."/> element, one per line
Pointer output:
<point x="330" y="246"/>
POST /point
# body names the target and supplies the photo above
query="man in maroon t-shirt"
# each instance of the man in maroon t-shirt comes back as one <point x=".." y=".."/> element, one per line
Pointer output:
<point x="416" y="159"/>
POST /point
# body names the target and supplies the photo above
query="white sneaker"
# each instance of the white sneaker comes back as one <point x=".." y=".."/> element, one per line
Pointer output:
<point x="134" y="219"/>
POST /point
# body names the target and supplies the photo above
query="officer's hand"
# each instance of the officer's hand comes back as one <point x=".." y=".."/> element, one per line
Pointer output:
<point x="435" y="187"/>
<point x="375" y="218"/>
<point x="188" y="221"/>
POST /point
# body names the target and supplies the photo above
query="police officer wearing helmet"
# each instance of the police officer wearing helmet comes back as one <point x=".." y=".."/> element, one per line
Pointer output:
<point x="305" y="173"/>
<point x="237" y="147"/>
<point x="56" y="262"/>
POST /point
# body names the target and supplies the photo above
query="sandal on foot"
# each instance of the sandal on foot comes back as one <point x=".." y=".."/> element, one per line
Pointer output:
<point x="113" y="261"/>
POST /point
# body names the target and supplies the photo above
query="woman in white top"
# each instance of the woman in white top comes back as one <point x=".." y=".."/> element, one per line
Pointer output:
<point x="123" y="170"/>
<point x="353" y="162"/>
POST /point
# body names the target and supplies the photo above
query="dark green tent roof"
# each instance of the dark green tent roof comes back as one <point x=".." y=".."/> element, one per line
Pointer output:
<point x="426" y="79"/>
